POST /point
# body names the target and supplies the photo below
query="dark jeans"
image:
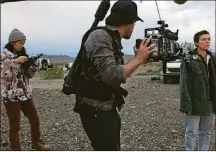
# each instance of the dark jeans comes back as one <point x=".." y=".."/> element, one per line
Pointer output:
<point x="14" y="116"/>
<point x="101" y="127"/>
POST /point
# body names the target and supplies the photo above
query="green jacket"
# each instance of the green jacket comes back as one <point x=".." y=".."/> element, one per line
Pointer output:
<point x="194" y="85"/>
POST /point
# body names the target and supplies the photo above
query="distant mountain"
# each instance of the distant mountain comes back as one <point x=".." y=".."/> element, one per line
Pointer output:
<point x="66" y="58"/>
<point x="59" y="58"/>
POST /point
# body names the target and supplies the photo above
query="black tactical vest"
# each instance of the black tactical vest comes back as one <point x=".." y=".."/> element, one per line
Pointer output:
<point x="83" y="78"/>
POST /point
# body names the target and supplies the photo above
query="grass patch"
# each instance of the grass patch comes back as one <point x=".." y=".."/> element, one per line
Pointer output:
<point x="150" y="68"/>
<point x="55" y="73"/>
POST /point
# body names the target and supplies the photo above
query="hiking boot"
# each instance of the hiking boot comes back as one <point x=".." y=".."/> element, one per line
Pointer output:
<point x="40" y="147"/>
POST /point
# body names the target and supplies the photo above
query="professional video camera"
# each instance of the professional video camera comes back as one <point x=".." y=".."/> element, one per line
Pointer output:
<point x="167" y="49"/>
<point x="31" y="62"/>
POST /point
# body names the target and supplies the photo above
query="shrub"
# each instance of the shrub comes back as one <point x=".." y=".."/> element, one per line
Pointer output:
<point x="141" y="74"/>
<point x="149" y="70"/>
<point x="55" y="73"/>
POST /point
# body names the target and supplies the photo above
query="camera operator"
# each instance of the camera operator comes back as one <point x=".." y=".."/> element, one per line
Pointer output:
<point x="197" y="92"/>
<point x="16" y="92"/>
<point x="100" y="118"/>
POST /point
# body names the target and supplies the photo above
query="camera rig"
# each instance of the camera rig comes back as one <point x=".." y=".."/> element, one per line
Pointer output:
<point x="167" y="49"/>
<point x="31" y="62"/>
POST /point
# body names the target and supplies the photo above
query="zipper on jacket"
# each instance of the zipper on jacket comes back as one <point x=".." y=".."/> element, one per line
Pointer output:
<point x="207" y="72"/>
<point x="206" y="66"/>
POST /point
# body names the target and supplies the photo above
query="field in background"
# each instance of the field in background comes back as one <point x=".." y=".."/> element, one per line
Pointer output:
<point x="57" y="72"/>
<point x="153" y="68"/>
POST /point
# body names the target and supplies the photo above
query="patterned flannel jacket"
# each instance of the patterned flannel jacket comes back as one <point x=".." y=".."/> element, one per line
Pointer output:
<point x="14" y="84"/>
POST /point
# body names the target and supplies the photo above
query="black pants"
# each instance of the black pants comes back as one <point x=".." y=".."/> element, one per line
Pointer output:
<point x="101" y="127"/>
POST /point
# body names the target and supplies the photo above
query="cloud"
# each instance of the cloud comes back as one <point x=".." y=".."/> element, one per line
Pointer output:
<point x="57" y="26"/>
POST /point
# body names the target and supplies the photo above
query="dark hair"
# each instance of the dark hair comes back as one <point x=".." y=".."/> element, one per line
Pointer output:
<point x="119" y="19"/>
<point x="198" y="35"/>
<point x="22" y="52"/>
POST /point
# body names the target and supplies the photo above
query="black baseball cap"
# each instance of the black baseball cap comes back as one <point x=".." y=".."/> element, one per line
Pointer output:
<point x="126" y="7"/>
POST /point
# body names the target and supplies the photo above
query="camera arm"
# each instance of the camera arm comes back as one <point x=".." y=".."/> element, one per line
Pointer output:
<point x="101" y="12"/>
<point x="180" y="2"/>
<point x="7" y="1"/>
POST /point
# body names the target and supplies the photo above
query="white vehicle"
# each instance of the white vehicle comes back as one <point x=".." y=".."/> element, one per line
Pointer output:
<point x="171" y="72"/>
<point x="68" y="66"/>
<point x="44" y="63"/>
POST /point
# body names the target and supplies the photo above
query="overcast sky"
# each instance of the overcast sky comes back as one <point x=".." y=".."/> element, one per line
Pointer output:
<point x="56" y="27"/>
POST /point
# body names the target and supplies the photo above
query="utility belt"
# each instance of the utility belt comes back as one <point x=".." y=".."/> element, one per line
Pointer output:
<point x="88" y="109"/>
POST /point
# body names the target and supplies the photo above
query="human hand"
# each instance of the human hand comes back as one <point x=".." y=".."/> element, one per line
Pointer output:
<point x="21" y="59"/>
<point x="143" y="52"/>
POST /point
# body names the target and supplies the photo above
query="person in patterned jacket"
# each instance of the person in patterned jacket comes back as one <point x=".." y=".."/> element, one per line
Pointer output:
<point x="16" y="92"/>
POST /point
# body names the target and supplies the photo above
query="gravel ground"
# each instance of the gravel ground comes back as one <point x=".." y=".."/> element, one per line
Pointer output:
<point x="150" y="118"/>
